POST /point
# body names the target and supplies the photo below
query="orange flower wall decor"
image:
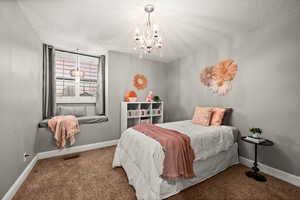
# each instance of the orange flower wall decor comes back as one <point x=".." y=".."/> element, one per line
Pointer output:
<point x="140" y="81"/>
<point x="218" y="78"/>
<point x="225" y="70"/>
<point x="206" y="76"/>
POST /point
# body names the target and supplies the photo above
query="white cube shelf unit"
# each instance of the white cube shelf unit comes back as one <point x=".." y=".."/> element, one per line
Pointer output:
<point x="133" y="113"/>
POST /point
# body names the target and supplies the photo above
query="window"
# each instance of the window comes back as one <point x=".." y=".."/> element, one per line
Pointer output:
<point x="76" y="77"/>
<point x="74" y="84"/>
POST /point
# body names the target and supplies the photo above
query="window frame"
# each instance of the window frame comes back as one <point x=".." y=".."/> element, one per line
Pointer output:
<point x="81" y="99"/>
<point x="49" y="84"/>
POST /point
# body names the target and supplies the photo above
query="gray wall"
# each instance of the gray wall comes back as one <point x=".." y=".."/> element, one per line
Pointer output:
<point x="20" y="87"/>
<point x="266" y="91"/>
<point x="121" y="69"/>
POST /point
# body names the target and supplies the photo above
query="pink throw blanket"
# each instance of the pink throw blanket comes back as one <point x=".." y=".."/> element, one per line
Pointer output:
<point x="179" y="155"/>
<point x="64" y="128"/>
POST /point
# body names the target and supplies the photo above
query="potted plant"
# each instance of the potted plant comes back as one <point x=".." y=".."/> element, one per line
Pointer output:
<point x="256" y="132"/>
<point x="156" y="99"/>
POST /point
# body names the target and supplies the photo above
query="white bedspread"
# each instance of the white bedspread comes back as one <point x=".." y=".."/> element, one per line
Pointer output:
<point x="135" y="150"/>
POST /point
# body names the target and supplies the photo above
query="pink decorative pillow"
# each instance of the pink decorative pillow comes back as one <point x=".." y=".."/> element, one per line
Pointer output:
<point x="202" y="116"/>
<point x="217" y="116"/>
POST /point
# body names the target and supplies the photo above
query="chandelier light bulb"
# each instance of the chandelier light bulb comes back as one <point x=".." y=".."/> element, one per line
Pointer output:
<point x="159" y="45"/>
<point x="155" y="28"/>
<point x="137" y="31"/>
<point x="155" y="31"/>
<point x="77" y="73"/>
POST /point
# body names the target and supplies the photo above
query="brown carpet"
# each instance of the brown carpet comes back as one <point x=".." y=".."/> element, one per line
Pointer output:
<point x="91" y="177"/>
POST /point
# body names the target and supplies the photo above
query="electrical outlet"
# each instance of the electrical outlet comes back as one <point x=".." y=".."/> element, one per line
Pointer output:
<point x="26" y="156"/>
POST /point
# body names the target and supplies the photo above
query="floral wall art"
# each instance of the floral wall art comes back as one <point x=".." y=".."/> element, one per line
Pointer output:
<point x="140" y="81"/>
<point x="218" y="78"/>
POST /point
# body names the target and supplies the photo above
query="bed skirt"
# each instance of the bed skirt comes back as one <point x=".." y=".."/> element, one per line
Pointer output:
<point x="204" y="169"/>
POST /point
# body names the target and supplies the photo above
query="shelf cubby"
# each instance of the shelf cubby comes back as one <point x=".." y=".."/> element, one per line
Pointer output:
<point x="157" y="119"/>
<point x="133" y="113"/>
<point x="133" y="121"/>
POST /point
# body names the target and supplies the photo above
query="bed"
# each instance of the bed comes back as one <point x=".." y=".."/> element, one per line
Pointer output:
<point x="215" y="149"/>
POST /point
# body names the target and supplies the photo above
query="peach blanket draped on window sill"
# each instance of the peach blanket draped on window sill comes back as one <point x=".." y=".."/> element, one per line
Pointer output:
<point x="64" y="128"/>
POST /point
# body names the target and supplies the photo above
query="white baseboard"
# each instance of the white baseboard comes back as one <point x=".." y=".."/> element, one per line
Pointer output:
<point x="290" y="178"/>
<point x="48" y="154"/>
<point x="76" y="149"/>
<point x="17" y="184"/>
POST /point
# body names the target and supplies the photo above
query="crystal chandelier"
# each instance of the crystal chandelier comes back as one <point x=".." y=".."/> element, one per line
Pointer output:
<point x="149" y="38"/>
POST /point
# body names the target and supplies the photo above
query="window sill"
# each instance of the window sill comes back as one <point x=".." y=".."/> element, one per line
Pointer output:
<point x="81" y="120"/>
<point x="75" y="100"/>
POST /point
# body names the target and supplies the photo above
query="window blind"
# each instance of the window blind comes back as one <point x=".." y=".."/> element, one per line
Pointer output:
<point x="65" y="83"/>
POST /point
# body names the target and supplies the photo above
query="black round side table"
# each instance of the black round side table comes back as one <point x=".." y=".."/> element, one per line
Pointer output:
<point x="254" y="172"/>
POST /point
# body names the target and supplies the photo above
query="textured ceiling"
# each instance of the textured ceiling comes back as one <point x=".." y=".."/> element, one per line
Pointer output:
<point x="186" y="25"/>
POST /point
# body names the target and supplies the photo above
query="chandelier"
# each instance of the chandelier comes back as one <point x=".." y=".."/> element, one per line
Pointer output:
<point x="77" y="73"/>
<point x="149" y="38"/>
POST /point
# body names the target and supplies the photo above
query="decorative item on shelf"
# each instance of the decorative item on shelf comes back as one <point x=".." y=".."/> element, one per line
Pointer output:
<point x="256" y="132"/>
<point x="254" y="139"/>
<point x="149" y="97"/>
<point x="218" y="78"/>
<point x="130" y="96"/>
<point x="156" y="112"/>
<point x="145" y="121"/>
<point x="140" y="81"/>
<point x="133" y="113"/>
<point x="144" y="112"/>
<point x="156" y="99"/>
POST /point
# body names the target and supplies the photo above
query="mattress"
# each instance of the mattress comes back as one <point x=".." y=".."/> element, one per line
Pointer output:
<point x="187" y="126"/>
<point x="142" y="157"/>
<point x="206" y="141"/>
